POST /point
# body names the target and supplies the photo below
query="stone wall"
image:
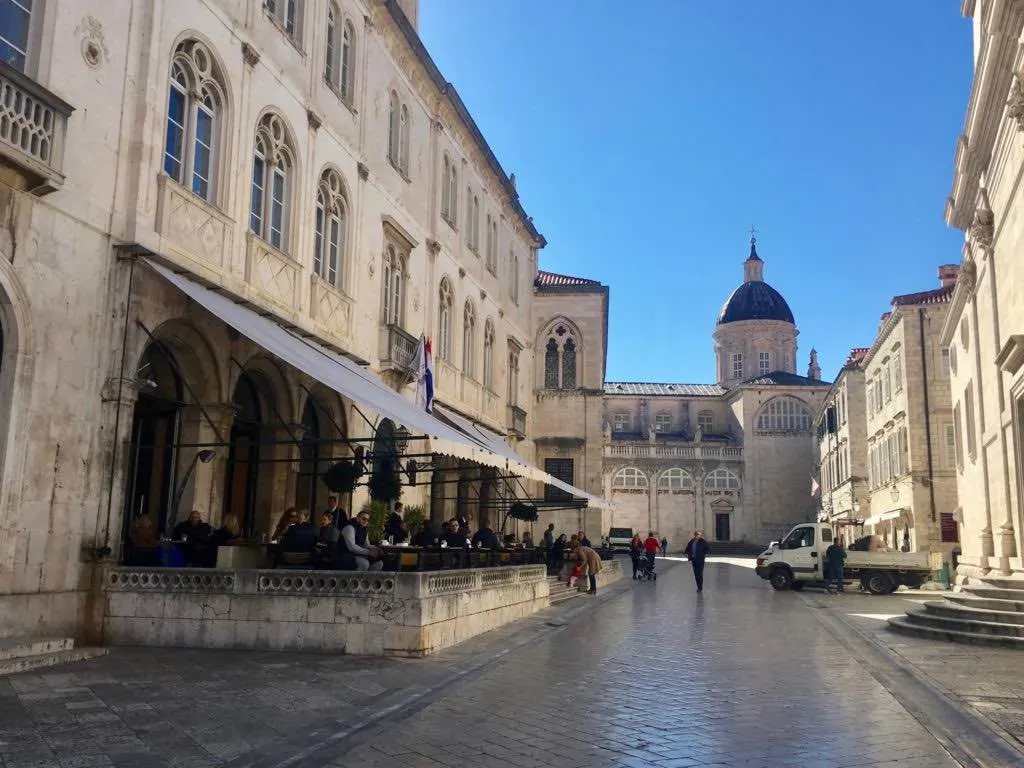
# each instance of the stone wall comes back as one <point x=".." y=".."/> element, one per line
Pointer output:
<point x="377" y="614"/>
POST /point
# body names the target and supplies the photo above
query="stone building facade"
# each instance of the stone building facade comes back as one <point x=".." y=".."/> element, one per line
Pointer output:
<point x="734" y="458"/>
<point x="984" y="326"/>
<point x="910" y="424"/>
<point x="305" y="159"/>
<point x="841" y="428"/>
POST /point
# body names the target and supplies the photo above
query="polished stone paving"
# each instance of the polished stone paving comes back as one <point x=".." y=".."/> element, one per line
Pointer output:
<point x="645" y="674"/>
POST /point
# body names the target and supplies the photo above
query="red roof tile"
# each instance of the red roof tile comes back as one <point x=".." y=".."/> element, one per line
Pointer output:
<point x="936" y="296"/>
<point x="554" y="280"/>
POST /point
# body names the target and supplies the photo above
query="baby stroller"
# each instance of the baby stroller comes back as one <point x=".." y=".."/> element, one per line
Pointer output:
<point x="647" y="568"/>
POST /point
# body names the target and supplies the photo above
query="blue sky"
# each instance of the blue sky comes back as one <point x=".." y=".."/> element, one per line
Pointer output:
<point x="647" y="138"/>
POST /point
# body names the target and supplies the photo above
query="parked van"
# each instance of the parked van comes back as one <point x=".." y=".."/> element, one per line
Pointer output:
<point x="619" y="538"/>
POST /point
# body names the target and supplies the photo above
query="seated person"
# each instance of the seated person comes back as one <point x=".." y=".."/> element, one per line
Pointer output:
<point x="288" y="518"/>
<point x="354" y="549"/>
<point x="425" y="537"/>
<point x="326" y="538"/>
<point x="300" y="537"/>
<point x="451" y="537"/>
<point x="193" y="534"/>
<point x="395" y="528"/>
<point x="224" y="536"/>
<point x="485" y="538"/>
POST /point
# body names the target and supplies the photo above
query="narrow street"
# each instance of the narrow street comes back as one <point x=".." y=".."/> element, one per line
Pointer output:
<point x="653" y="674"/>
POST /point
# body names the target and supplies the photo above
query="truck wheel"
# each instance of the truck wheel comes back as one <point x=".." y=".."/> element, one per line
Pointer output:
<point x="881" y="583"/>
<point x="780" y="580"/>
<point x="796" y="586"/>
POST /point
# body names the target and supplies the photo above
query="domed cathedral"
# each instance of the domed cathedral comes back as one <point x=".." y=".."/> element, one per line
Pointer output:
<point x="755" y="332"/>
<point x="734" y="458"/>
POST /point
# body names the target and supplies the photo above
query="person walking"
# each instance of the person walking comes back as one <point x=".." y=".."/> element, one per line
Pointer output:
<point x="697" y="549"/>
<point x="664" y="546"/>
<point x="835" y="559"/>
<point x="651" y="547"/>
<point x="636" y="551"/>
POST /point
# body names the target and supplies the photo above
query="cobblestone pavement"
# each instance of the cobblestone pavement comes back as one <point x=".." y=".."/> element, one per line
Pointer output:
<point x="988" y="680"/>
<point x="647" y="674"/>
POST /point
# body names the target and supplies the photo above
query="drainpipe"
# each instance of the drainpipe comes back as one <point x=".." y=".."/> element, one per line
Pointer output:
<point x="927" y="411"/>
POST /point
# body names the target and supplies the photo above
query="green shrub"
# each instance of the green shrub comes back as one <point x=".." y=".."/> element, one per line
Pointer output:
<point x="378" y="511"/>
<point x="414" y="518"/>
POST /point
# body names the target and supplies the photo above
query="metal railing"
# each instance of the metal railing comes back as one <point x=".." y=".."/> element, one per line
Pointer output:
<point x="399" y="348"/>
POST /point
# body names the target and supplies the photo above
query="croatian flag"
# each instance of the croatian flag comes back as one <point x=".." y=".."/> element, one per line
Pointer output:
<point x="424" y="375"/>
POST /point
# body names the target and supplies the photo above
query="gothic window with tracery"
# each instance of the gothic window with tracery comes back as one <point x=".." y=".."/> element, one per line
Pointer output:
<point x="329" y="229"/>
<point x="560" y="353"/>
<point x="444" y="320"/>
<point x="489" y="355"/>
<point x="194" y="118"/>
<point x="272" y="170"/>
<point x="469" y="339"/>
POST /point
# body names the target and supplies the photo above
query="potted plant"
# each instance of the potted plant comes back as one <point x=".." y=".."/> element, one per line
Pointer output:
<point x="342" y="476"/>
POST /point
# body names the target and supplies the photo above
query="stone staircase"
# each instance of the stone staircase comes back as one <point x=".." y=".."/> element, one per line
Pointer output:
<point x="986" y="613"/>
<point x="19" y="654"/>
<point x="560" y="592"/>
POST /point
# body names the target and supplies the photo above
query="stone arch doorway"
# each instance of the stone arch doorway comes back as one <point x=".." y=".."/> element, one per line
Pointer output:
<point x="242" y="471"/>
<point x="156" y="425"/>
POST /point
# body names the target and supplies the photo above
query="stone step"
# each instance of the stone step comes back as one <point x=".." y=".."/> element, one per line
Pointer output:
<point x="921" y="616"/>
<point x="992" y="604"/>
<point x="19" y="647"/>
<point x="997" y="593"/>
<point x="1003" y="583"/>
<point x="954" y="610"/>
<point x="18" y="664"/>
<point x="563" y="594"/>
<point x="901" y="625"/>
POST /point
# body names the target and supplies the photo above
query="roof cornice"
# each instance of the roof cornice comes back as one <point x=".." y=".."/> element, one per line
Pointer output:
<point x="993" y="74"/>
<point x="448" y="92"/>
<point x="965" y="281"/>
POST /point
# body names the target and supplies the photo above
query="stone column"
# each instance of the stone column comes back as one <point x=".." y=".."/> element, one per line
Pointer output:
<point x="109" y="528"/>
<point x="205" y="490"/>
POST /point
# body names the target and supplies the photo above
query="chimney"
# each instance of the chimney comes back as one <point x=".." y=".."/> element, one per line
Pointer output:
<point x="947" y="274"/>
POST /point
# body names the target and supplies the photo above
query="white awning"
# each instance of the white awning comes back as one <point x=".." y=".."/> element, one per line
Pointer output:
<point x="890" y="515"/>
<point x="360" y="384"/>
<point x="517" y="464"/>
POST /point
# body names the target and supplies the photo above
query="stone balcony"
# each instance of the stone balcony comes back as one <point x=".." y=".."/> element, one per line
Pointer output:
<point x="646" y="450"/>
<point x="33" y="123"/>
<point x="397" y="350"/>
<point x="516" y="421"/>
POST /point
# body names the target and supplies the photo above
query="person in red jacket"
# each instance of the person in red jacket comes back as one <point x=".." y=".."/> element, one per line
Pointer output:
<point x="651" y="547"/>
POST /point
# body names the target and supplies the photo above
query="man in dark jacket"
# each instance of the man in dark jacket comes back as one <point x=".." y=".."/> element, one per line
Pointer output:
<point x="835" y="558"/>
<point x="697" y="549"/>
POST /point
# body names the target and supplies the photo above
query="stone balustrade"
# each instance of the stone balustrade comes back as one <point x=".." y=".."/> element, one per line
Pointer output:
<point x="379" y="613"/>
<point x="638" y="450"/>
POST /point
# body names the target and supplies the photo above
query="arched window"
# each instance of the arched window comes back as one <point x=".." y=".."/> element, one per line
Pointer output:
<point x="569" y="364"/>
<point x="785" y="414"/>
<point x="551" y="365"/>
<point x="272" y="171"/>
<point x="195" y="109"/>
<point x="394" y="128"/>
<point x="332" y="56"/>
<point x="629" y="478"/>
<point x="403" y="139"/>
<point x="489" y="355"/>
<point x="287" y="14"/>
<point x="347" y="84"/>
<point x="449" y="191"/>
<point x="444" y="320"/>
<point x="675" y="479"/>
<point x="469" y="339"/>
<point x="513" y="275"/>
<point x="492" y="245"/>
<point x="489" y="234"/>
<point x="393" y="287"/>
<point x="474" y="223"/>
<point x="329" y="234"/>
<point x="722" y="480"/>
<point x="560" y="359"/>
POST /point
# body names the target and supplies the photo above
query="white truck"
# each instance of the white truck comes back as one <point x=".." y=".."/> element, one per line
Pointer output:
<point x="799" y="559"/>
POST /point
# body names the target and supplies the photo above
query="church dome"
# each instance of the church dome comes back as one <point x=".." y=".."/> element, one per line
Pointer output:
<point x="755" y="299"/>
